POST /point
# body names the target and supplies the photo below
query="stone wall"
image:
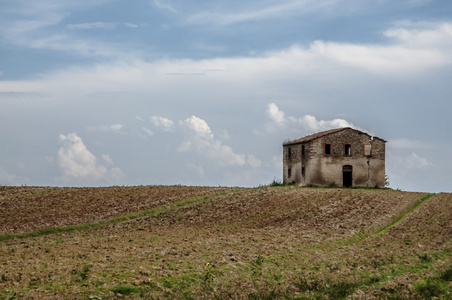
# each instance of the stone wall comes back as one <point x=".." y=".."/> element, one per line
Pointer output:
<point x="365" y="155"/>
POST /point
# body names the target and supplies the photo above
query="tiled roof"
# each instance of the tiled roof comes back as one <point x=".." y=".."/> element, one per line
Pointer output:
<point x="319" y="135"/>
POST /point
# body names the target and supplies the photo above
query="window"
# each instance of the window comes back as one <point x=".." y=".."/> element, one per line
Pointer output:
<point x="289" y="153"/>
<point x="289" y="172"/>
<point x="327" y="149"/>
<point x="367" y="149"/>
<point x="348" y="150"/>
<point x="302" y="150"/>
<point x="302" y="171"/>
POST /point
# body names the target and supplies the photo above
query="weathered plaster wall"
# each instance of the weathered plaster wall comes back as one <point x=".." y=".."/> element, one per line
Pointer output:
<point x="292" y="161"/>
<point x="325" y="170"/>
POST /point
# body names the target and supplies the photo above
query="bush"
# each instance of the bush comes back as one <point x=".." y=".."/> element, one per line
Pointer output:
<point x="276" y="182"/>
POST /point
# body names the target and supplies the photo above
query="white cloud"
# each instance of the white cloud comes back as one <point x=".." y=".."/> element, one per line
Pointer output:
<point x="107" y="159"/>
<point x="62" y="42"/>
<point x="402" y="164"/>
<point x="399" y="58"/>
<point x="415" y="161"/>
<point x="200" y="127"/>
<point x="165" y="123"/>
<point x="116" y="128"/>
<point x="280" y="9"/>
<point x="201" y="138"/>
<point x="95" y="25"/>
<point x="164" y="6"/>
<point x="421" y="34"/>
<point x="321" y="62"/>
<point x="414" y="49"/>
<point x="7" y="178"/>
<point x="77" y="163"/>
<point x="198" y="137"/>
<point x="100" y="25"/>
<point x="116" y="174"/>
<point x="198" y="170"/>
<point x="275" y="114"/>
<point x="34" y="23"/>
<point x="253" y="161"/>
<point x="254" y="11"/>
<point x="147" y="131"/>
<point x="307" y="123"/>
<point x="310" y="123"/>
<point x="21" y="28"/>
<point x="131" y="25"/>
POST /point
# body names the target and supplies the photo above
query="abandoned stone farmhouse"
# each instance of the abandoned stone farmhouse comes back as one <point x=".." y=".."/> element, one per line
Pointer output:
<point x="338" y="157"/>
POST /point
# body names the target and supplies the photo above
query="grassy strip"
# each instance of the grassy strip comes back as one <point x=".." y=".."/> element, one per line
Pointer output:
<point x="115" y="220"/>
<point x="404" y="214"/>
<point x="361" y="236"/>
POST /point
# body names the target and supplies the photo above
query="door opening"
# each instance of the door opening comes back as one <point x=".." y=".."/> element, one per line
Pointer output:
<point x="347" y="177"/>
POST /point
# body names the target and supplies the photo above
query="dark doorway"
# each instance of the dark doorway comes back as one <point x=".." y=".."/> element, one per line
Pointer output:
<point x="347" y="178"/>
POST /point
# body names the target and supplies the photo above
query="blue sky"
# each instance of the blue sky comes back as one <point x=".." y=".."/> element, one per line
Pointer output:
<point x="204" y="93"/>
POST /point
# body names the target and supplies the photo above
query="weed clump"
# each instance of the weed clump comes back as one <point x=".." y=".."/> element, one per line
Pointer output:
<point x="83" y="273"/>
<point x="125" y="289"/>
<point x="447" y="275"/>
<point x="434" y="286"/>
<point x="276" y="182"/>
<point x="334" y="289"/>
<point x="430" y="288"/>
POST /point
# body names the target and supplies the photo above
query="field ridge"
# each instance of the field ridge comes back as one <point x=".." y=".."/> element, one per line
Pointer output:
<point x="179" y="242"/>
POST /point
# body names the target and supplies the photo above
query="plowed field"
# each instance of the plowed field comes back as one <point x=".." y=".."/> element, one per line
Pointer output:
<point x="182" y="242"/>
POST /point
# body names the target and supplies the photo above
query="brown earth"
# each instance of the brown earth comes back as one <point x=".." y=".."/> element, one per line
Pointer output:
<point x="26" y="209"/>
<point x="249" y="243"/>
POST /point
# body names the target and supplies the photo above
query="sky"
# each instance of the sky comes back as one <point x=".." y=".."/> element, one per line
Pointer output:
<point x="114" y="92"/>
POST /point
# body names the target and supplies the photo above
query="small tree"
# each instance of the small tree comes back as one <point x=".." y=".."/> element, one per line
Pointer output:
<point x="386" y="180"/>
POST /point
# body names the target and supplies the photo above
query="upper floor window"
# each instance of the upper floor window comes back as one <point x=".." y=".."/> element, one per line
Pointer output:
<point x="302" y="150"/>
<point x="289" y="153"/>
<point x="367" y="149"/>
<point x="348" y="150"/>
<point x="327" y="149"/>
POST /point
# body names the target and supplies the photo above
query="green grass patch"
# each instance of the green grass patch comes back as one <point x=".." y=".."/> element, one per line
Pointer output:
<point x="329" y="287"/>
<point x="125" y="289"/>
<point x="432" y="287"/>
<point x="446" y="275"/>
<point x="404" y="214"/>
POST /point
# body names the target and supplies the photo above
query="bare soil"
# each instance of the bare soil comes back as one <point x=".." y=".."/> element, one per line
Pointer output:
<point x="25" y="209"/>
<point x="270" y="243"/>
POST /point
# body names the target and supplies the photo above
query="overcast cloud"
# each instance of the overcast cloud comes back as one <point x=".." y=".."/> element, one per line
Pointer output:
<point x="168" y="92"/>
